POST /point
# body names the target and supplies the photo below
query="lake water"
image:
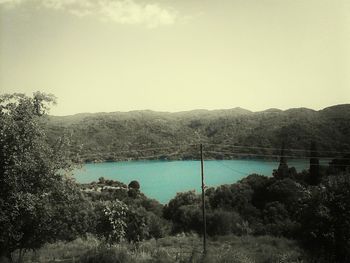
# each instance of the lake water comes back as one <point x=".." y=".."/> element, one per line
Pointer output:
<point x="161" y="180"/>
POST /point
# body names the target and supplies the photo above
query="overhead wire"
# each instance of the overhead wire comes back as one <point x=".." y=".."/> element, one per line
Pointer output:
<point x="232" y="169"/>
<point x="274" y="155"/>
<point x="273" y="148"/>
<point x="185" y="147"/>
<point x="237" y="146"/>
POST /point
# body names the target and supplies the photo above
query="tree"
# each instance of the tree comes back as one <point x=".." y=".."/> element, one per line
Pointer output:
<point x="134" y="184"/>
<point x="288" y="192"/>
<point x="134" y="189"/>
<point x="223" y="222"/>
<point x="184" y="210"/>
<point x="325" y="220"/>
<point x="314" y="177"/>
<point x="111" y="220"/>
<point x="37" y="203"/>
<point x="277" y="220"/>
<point x="282" y="171"/>
<point x="237" y="196"/>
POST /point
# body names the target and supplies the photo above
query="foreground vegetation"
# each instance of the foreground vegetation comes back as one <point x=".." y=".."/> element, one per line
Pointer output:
<point x="45" y="215"/>
<point x="180" y="248"/>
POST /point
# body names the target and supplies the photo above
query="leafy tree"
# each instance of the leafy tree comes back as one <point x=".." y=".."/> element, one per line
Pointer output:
<point x="112" y="221"/>
<point x="340" y="165"/>
<point x="137" y="224"/>
<point x="134" y="189"/>
<point x="277" y="220"/>
<point x="287" y="192"/>
<point x="37" y="203"/>
<point x="184" y="210"/>
<point x="282" y="171"/>
<point x="134" y="184"/>
<point x="158" y="227"/>
<point x="101" y="180"/>
<point x="181" y="199"/>
<point x="325" y="220"/>
<point x="222" y="222"/>
<point x="237" y="196"/>
<point x="259" y="184"/>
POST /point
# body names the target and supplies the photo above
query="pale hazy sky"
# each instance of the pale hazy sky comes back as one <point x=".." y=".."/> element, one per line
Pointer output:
<point x="172" y="55"/>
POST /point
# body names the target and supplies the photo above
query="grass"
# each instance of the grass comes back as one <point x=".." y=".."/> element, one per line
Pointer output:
<point x="181" y="248"/>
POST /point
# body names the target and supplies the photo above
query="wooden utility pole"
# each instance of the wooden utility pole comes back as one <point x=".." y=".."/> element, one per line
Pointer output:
<point x="203" y="204"/>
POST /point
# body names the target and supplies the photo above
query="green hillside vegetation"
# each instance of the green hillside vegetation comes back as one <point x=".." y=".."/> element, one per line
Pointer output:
<point x="133" y="135"/>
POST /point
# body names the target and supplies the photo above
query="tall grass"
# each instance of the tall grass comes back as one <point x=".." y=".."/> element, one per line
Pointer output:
<point x="181" y="248"/>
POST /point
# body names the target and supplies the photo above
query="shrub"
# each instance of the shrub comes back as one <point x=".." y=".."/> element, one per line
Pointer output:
<point x="134" y="184"/>
<point x="107" y="255"/>
<point x="161" y="256"/>
<point x="220" y="222"/>
<point x="111" y="222"/>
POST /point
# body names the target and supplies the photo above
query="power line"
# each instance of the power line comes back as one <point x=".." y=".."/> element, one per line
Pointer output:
<point x="276" y="162"/>
<point x="274" y="155"/>
<point x="148" y="149"/>
<point x="149" y="156"/>
<point x="272" y="148"/>
<point x="185" y="147"/>
<point x="153" y="148"/>
<point x="232" y="169"/>
<point x="131" y="149"/>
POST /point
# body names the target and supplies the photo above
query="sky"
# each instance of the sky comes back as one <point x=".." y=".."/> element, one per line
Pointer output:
<point x="176" y="55"/>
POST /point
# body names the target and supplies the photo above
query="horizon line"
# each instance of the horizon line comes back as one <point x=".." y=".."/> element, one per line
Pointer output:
<point x="200" y="109"/>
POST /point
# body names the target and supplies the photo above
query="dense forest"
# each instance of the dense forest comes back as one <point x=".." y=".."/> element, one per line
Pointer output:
<point x="46" y="216"/>
<point x="130" y="135"/>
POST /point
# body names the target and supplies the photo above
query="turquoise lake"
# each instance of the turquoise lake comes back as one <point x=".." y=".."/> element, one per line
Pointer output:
<point x="161" y="180"/>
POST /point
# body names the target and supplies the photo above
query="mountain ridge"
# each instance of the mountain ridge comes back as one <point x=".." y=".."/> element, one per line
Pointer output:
<point x="115" y="136"/>
<point x="344" y="105"/>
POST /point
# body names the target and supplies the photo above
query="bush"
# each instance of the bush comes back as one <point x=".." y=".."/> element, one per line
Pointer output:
<point x="134" y="184"/>
<point x="107" y="255"/>
<point x="111" y="220"/>
<point x="161" y="256"/>
<point x="137" y="228"/>
<point x="158" y="227"/>
<point x="220" y="222"/>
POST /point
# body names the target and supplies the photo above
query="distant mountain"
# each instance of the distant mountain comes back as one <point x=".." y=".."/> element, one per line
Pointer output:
<point x="163" y="135"/>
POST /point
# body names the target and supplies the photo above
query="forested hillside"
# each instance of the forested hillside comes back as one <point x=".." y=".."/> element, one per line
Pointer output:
<point x="141" y="134"/>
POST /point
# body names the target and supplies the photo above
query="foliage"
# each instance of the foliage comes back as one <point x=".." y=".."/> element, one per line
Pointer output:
<point x="134" y="184"/>
<point x="259" y="184"/>
<point x="223" y="222"/>
<point x="112" y="220"/>
<point x="37" y="204"/>
<point x="277" y="220"/>
<point x="106" y="255"/>
<point x="325" y="220"/>
<point x="314" y="177"/>
<point x="184" y="211"/>
<point x="137" y="225"/>
<point x="142" y="225"/>
<point x="288" y="192"/>
<point x="237" y="196"/>
<point x="262" y="249"/>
